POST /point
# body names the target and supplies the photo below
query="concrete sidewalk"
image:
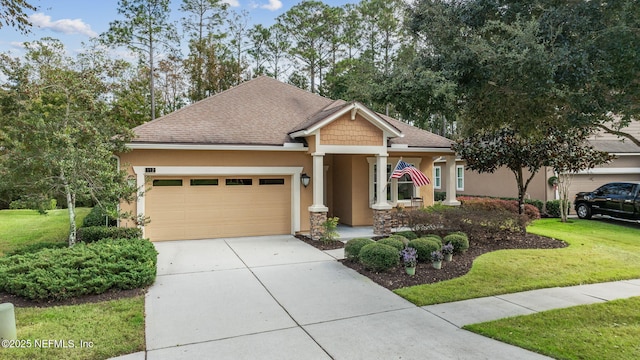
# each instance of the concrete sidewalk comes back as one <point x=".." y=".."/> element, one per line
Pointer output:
<point x="278" y="297"/>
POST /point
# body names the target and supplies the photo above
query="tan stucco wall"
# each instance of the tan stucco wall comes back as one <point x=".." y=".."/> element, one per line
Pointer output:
<point x="501" y="183"/>
<point x="344" y="131"/>
<point x="222" y="158"/>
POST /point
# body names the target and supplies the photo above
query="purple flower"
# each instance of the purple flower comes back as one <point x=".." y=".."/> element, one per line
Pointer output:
<point x="409" y="256"/>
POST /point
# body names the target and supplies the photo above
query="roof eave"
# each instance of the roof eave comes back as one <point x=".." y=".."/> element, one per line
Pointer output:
<point x="237" y="147"/>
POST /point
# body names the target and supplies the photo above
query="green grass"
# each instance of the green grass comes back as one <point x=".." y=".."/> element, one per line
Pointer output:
<point x="603" y="331"/>
<point x="24" y="227"/>
<point x="113" y="328"/>
<point x="597" y="252"/>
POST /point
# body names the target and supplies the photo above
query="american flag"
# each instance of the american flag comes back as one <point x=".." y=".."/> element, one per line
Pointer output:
<point x="416" y="176"/>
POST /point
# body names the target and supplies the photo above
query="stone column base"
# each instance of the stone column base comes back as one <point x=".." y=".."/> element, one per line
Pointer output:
<point x="382" y="222"/>
<point x="317" y="219"/>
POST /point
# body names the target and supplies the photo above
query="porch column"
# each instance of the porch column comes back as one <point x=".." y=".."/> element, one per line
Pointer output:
<point x="450" y="170"/>
<point x="318" y="211"/>
<point x="381" y="209"/>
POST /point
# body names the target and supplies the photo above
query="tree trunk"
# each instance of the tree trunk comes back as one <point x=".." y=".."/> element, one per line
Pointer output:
<point x="71" y="206"/>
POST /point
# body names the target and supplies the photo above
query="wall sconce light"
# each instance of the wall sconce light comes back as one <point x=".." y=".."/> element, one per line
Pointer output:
<point x="305" y="179"/>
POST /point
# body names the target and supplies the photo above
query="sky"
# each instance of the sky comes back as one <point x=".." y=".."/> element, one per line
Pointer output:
<point x="76" y="21"/>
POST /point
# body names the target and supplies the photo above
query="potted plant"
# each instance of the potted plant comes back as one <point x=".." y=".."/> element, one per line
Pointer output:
<point x="436" y="259"/>
<point x="409" y="257"/>
<point x="447" y="251"/>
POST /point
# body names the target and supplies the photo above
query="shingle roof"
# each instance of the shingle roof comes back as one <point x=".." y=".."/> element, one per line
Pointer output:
<point x="616" y="146"/>
<point x="262" y="111"/>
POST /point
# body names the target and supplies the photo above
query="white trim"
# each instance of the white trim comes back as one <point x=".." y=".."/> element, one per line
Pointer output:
<point x="352" y="149"/>
<point x="437" y="179"/>
<point x="293" y="171"/>
<point x="611" y="171"/>
<point x="421" y="150"/>
<point x="460" y="188"/>
<point x="369" y="115"/>
<point x="392" y="161"/>
<point x="165" y="146"/>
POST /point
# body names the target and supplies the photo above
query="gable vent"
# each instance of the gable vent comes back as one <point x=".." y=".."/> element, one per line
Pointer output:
<point x="150" y="170"/>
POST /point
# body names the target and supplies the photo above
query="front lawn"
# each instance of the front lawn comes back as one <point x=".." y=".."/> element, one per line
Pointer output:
<point x="88" y="331"/>
<point x="597" y="252"/>
<point x="24" y="227"/>
<point x="602" y="331"/>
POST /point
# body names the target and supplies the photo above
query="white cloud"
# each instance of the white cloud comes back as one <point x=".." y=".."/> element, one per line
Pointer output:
<point x="65" y="26"/>
<point x="17" y="44"/>
<point x="273" y="5"/>
<point x="232" y="3"/>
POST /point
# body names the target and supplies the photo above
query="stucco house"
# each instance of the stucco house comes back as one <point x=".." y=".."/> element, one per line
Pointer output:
<point x="268" y="158"/>
<point x="502" y="183"/>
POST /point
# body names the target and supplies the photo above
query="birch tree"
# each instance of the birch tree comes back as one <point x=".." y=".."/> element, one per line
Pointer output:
<point x="56" y="135"/>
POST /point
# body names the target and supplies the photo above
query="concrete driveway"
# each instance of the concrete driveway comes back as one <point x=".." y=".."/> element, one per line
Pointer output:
<point x="278" y="298"/>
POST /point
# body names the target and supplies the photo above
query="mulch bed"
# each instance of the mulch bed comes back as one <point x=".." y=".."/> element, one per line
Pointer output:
<point x="396" y="278"/>
<point x="392" y="279"/>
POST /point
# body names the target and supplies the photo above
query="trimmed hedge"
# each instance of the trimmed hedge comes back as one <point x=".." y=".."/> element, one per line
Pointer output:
<point x="492" y="204"/>
<point x="32" y="248"/>
<point x="96" y="233"/>
<point x="460" y="242"/>
<point x="393" y="242"/>
<point x="434" y="237"/>
<point x="98" y="217"/>
<point x="553" y="208"/>
<point x="85" y="269"/>
<point x="409" y="235"/>
<point x="352" y="247"/>
<point x="404" y="240"/>
<point x="379" y="257"/>
<point x="424" y="247"/>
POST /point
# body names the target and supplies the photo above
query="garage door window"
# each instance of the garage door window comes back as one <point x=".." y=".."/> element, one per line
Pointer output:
<point x="167" y="182"/>
<point x="271" y="181"/>
<point x="231" y="182"/>
<point x="204" y="182"/>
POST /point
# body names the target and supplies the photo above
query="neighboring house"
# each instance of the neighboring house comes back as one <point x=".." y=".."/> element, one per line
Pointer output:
<point x="235" y="164"/>
<point x="502" y="183"/>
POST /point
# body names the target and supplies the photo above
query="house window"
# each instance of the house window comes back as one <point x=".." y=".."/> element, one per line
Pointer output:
<point x="437" y="177"/>
<point x="232" y="182"/>
<point x="398" y="190"/>
<point x="271" y="181"/>
<point x="459" y="177"/>
<point x="167" y="182"/>
<point x="203" y="182"/>
<point x="375" y="183"/>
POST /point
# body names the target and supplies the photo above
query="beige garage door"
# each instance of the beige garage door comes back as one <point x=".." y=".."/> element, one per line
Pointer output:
<point x="212" y="207"/>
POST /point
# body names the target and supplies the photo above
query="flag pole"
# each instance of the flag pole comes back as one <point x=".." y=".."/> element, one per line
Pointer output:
<point x="389" y="179"/>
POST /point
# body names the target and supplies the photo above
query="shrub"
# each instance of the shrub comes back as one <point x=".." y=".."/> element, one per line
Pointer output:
<point x="424" y="246"/>
<point x="409" y="235"/>
<point x="404" y="240"/>
<point x="491" y="204"/>
<point x="393" y="242"/>
<point x="38" y="203"/>
<point x="434" y="237"/>
<point x="439" y="195"/>
<point x="35" y="247"/>
<point x="352" y="247"/>
<point x="460" y="233"/>
<point x="552" y="208"/>
<point x="96" y="233"/>
<point x="425" y="220"/>
<point x="85" y="269"/>
<point x="379" y="257"/>
<point x="460" y="242"/>
<point x="537" y="203"/>
<point x="98" y="217"/>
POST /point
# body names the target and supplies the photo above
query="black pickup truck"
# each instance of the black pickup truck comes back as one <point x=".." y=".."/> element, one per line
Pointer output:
<point x="618" y="199"/>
